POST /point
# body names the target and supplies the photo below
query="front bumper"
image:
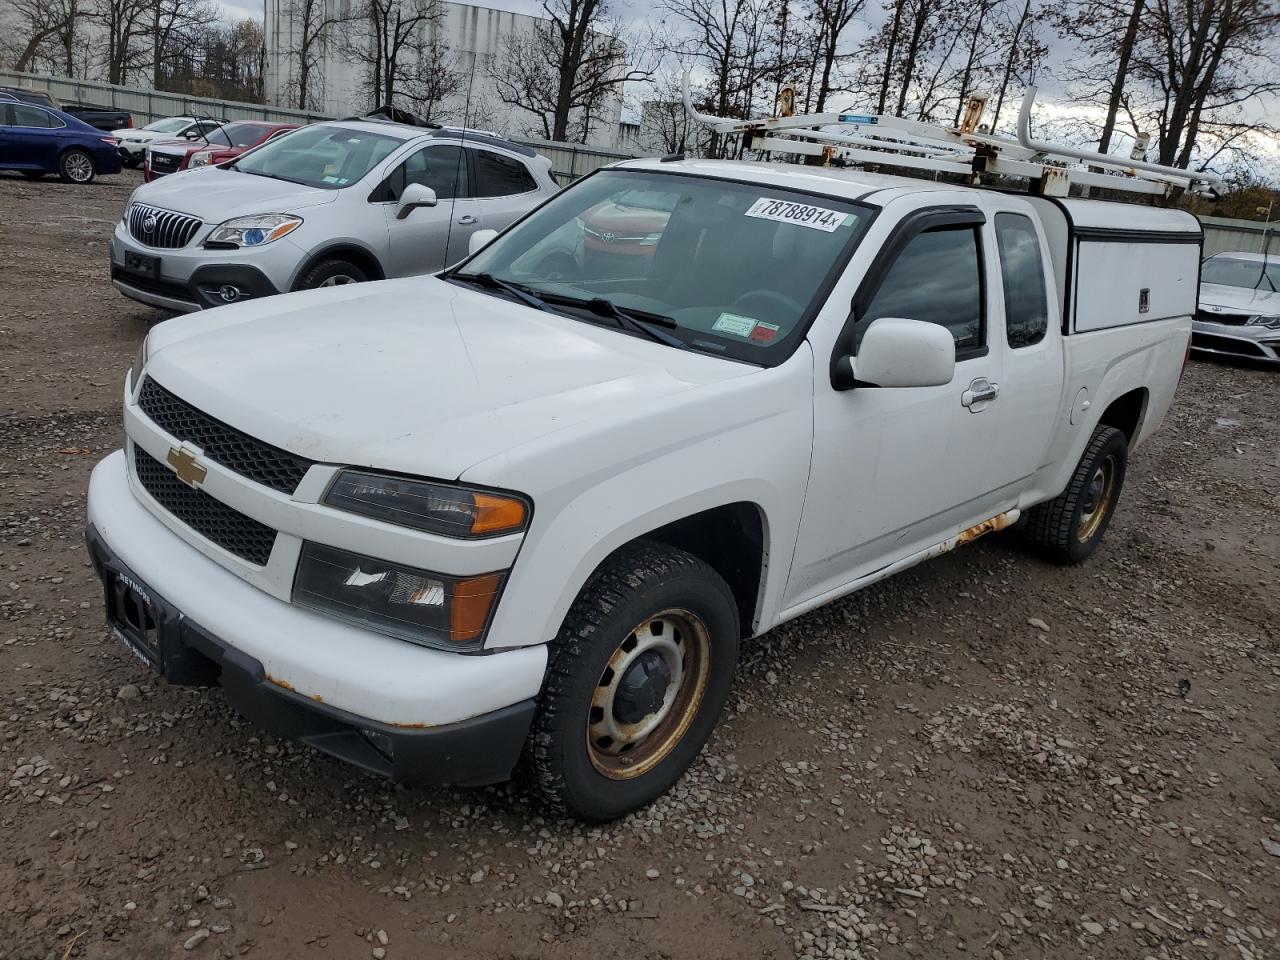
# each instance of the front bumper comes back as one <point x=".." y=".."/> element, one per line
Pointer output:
<point x="193" y="278"/>
<point x="1250" y="341"/>
<point x="437" y="717"/>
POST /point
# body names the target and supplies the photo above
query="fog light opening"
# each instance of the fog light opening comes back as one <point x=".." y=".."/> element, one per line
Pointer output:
<point x="229" y="293"/>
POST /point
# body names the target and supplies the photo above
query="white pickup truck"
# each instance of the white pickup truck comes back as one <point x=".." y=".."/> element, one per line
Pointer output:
<point x="523" y="513"/>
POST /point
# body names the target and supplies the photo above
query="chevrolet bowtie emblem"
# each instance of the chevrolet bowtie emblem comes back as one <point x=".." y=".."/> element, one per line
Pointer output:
<point x="186" y="466"/>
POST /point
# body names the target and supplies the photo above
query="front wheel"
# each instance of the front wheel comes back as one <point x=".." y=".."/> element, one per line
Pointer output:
<point x="638" y="676"/>
<point x="76" y="167"/>
<point x="1068" y="528"/>
<point x="331" y="273"/>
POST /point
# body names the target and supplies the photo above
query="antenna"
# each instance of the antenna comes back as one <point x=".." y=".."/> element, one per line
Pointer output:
<point x="462" y="158"/>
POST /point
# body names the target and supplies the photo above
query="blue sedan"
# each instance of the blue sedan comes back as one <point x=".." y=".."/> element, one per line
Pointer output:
<point x="38" y="140"/>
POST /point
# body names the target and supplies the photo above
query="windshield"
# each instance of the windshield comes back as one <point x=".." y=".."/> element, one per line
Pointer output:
<point x="241" y="135"/>
<point x="734" y="268"/>
<point x="1234" y="272"/>
<point x="170" y="125"/>
<point x="319" y="156"/>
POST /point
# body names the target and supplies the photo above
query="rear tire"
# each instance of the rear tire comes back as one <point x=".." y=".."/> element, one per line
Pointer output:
<point x="76" y="166"/>
<point x="638" y="676"/>
<point x="1068" y="528"/>
<point x="331" y="273"/>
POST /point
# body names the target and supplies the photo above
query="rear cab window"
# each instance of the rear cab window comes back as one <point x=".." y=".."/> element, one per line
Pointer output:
<point x="1026" y="302"/>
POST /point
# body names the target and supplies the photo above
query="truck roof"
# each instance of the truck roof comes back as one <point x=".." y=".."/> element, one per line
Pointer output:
<point x="852" y="184"/>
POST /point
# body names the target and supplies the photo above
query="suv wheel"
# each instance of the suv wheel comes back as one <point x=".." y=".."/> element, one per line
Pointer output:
<point x="331" y="273"/>
<point x="638" y="676"/>
<point x="76" y="167"/>
<point x="1069" y="527"/>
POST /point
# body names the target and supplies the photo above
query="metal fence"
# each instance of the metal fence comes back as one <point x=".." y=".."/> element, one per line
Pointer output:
<point x="569" y="161"/>
<point x="1239" y="236"/>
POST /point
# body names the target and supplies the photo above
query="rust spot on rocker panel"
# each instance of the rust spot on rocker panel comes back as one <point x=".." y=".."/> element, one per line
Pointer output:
<point x="998" y="522"/>
<point x="286" y="685"/>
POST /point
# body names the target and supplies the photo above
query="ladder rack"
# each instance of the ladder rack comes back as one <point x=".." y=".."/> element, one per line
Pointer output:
<point x="967" y="150"/>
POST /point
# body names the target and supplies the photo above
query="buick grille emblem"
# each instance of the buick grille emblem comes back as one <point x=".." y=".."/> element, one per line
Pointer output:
<point x="149" y="224"/>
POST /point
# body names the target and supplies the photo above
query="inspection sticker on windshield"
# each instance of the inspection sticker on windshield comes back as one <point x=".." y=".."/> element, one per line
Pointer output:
<point x="735" y="324"/>
<point x="800" y="214"/>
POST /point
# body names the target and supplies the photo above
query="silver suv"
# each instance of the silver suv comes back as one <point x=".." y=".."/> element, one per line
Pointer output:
<point x="327" y="204"/>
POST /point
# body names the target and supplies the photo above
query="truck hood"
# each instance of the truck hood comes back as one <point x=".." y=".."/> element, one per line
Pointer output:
<point x="215" y="195"/>
<point x="1228" y="299"/>
<point x="418" y="375"/>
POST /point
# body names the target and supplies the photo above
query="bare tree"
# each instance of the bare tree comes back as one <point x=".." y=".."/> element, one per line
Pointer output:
<point x="436" y="76"/>
<point x="311" y="27"/>
<point x="833" y="17"/>
<point x="125" y="23"/>
<point x="385" y="51"/>
<point x="40" y="23"/>
<point x="567" y="66"/>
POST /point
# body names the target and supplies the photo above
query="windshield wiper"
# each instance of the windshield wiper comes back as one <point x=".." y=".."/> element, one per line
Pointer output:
<point x="493" y="283"/>
<point x="639" y="321"/>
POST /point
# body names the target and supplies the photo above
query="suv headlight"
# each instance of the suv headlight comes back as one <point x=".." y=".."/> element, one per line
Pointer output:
<point x="254" y="231"/>
<point x="140" y="361"/>
<point x="433" y="609"/>
<point x="433" y="507"/>
<point x="202" y="159"/>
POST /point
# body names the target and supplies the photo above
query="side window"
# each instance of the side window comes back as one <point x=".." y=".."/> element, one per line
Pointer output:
<point x="25" y="116"/>
<point x="936" y="278"/>
<point x="442" y="168"/>
<point x="1026" y="309"/>
<point x="6" y="115"/>
<point x="499" y="176"/>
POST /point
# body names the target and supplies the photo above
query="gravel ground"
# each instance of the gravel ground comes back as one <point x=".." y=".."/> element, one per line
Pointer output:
<point x="985" y="755"/>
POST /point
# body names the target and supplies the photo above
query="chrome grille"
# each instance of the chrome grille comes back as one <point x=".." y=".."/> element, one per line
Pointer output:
<point x="168" y="230"/>
<point x="1228" y="319"/>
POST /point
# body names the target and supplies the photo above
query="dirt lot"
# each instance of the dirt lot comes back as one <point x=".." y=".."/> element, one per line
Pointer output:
<point x="986" y="755"/>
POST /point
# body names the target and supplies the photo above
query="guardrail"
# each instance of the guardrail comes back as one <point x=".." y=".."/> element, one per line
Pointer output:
<point x="569" y="161"/>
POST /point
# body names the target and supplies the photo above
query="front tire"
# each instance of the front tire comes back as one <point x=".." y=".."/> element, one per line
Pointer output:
<point x="331" y="273"/>
<point x="1068" y="528"/>
<point x="76" y="167"/>
<point x="637" y="678"/>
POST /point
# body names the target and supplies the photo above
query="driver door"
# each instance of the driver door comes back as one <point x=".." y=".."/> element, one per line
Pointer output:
<point x="897" y="470"/>
<point x="430" y="238"/>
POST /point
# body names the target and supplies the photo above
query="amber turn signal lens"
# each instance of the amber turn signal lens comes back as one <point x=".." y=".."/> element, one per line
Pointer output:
<point x="497" y="514"/>
<point x="472" y="600"/>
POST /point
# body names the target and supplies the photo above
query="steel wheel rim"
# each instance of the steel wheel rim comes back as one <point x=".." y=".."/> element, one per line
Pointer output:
<point x="79" y="168"/>
<point x="621" y="750"/>
<point x="1098" y="496"/>
<point x="338" y="280"/>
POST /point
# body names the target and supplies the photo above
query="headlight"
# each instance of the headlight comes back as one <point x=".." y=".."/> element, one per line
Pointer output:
<point x="140" y="361"/>
<point x="254" y="231"/>
<point x="1271" y="323"/>
<point x="449" y="613"/>
<point x="435" y="508"/>
<point x="202" y="159"/>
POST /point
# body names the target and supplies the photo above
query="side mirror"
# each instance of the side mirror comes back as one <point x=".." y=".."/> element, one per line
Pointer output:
<point x="896" y="352"/>
<point x="415" y="195"/>
<point x="479" y="240"/>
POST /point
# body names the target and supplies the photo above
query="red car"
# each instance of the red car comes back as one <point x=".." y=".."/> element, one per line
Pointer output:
<point x="224" y="143"/>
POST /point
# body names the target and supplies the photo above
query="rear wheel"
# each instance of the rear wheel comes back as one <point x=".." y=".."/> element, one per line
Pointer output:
<point x="331" y="273"/>
<point x="1068" y="528"/>
<point x="76" y="167"/>
<point x="639" y="674"/>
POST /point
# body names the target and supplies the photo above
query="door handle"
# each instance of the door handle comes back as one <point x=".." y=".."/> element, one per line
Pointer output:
<point x="467" y="220"/>
<point x="981" y="392"/>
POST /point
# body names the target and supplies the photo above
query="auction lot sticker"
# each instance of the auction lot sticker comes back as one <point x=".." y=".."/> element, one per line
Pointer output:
<point x="799" y="214"/>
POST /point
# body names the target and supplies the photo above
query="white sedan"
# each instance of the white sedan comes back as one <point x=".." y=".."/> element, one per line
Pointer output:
<point x="1239" y="312"/>
<point x="134" y="140"/>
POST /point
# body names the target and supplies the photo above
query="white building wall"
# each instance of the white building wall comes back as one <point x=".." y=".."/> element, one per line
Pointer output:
<point x="475" y="36"/>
